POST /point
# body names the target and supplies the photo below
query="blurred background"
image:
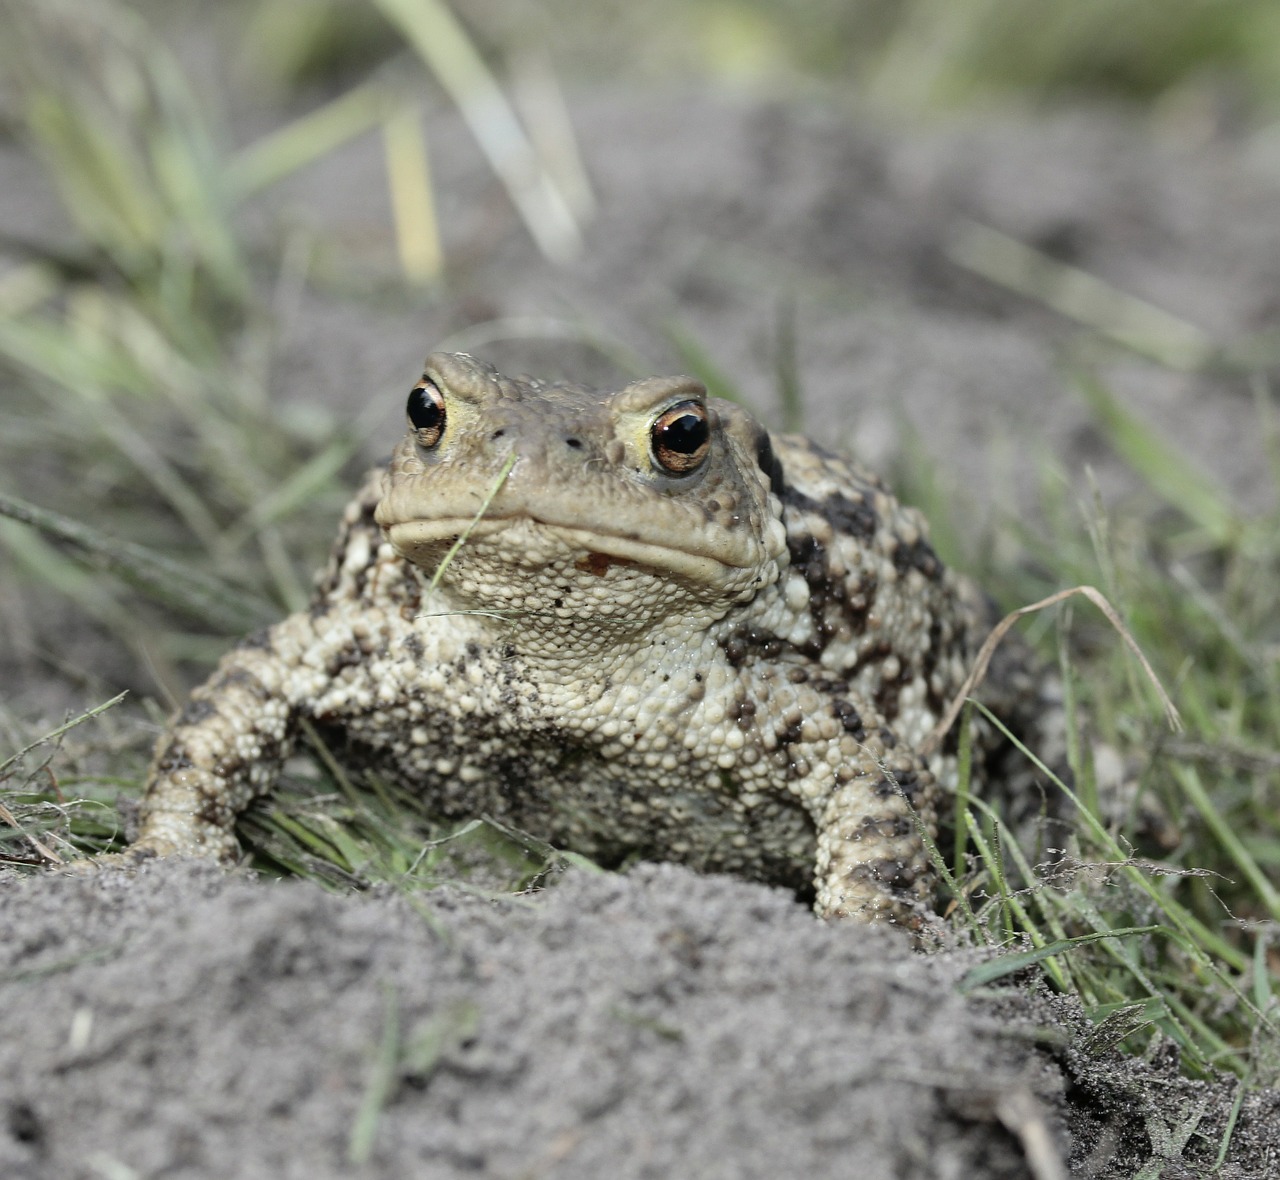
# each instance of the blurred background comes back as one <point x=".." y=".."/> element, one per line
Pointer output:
<point x="974" y="241"/>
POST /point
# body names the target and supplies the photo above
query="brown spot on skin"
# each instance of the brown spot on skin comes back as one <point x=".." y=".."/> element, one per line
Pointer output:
<point x="884" y="788"/>
<point x="790" y="733"/>
<point x="411" y="599"/>
<point x="929" y="667"/>
<point x="909" y="786"/>
<point x="242" y="678"/>
<point x="770" y="465"/>
<point x="798" y="768"/>
<point x="196" y="711"/>
<point x="348" y="655"/>
<point x="597" y="564"/>
<point x="226" y="768"/>
<point x="173" y="759"/>
<point x="888" y="697"/>
<point x="749" y="641"/>
<point x="809" y="556"/>
<point x="830" y="606"/>
<point x="854" y="516"/>
<point x="827" y="684"/>
<point x="897" y="875"/>
<point x="850" y="719"/>
<point x="918" y="556"/>
<point x="744" y="714"/>
<point x="892" y="827"/>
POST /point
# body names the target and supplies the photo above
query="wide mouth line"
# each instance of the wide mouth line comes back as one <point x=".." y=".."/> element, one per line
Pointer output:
<point x="443" y="527"/>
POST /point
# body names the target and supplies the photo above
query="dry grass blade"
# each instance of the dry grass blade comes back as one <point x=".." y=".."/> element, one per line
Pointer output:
<point x="541" y="102"/>
<point x="1023" y="1115"/>
<point x="1083" y="297"/>
<point x="54" y="734"/>
<point x="983" y="659"/>
<point x="443" y="44"/>
<point x="7" y="816"/>
<point x="47" y="854"/>
<point x="413" y="206"/>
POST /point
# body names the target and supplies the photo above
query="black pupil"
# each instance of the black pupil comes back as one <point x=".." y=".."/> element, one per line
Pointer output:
<point x="685" y="434"/>
<point x="425" y="412"/>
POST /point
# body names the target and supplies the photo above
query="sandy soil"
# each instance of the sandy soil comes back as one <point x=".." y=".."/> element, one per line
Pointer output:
<point x="187" y="1024"/>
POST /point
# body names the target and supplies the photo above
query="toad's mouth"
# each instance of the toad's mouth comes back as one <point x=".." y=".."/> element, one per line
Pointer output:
<point x="525" y="538"/>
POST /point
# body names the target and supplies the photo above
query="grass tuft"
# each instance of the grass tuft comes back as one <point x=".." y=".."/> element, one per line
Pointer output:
<point x="39" y="825"/>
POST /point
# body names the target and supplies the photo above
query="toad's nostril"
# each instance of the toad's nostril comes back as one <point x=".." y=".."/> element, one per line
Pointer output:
<point x="575" y="443"/>
<point x="497" y="434"/>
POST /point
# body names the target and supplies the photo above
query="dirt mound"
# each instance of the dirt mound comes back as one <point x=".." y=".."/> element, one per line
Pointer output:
<point x="188" y="1023"/>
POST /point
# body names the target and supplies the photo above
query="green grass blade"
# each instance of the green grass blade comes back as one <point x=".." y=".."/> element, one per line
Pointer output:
<point x="1171" y="474"/>
<point x="1013" y="961"/>
<point x="1132" y="322"/>
<point x="188" y="591"/>
<point x="381" y="1084"/>
<point x="1226" y="835"/>
<point x="307" y="139"/>
<point x="701" y="364"/>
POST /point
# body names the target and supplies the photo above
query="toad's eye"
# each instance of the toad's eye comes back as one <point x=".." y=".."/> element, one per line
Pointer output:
<point x="681" y="438"/>
<point x="426" y="411"/>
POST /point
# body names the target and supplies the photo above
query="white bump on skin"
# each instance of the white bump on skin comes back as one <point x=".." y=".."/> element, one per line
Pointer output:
<point x="797" y="593"/>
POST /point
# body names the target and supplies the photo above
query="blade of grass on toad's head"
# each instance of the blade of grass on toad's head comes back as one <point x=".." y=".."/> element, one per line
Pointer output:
<point x="451" y="552"/>
<point x="194" y="594"/>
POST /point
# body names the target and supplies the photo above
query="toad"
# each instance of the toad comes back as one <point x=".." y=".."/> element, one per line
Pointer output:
<point x="632" y="623"/>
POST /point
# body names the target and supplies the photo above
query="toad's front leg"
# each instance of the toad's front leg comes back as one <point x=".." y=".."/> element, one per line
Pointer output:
<point x="872" y="863"/>
<point x="225" y="748"/>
